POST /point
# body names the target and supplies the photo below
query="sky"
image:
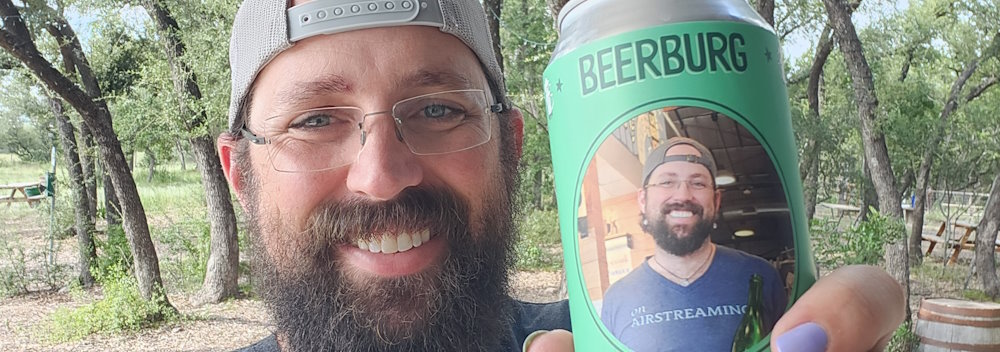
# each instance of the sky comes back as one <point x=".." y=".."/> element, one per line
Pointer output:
<point x="798" y="44"/>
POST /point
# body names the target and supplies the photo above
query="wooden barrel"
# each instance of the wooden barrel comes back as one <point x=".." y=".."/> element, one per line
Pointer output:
<point x="955" y="325"/>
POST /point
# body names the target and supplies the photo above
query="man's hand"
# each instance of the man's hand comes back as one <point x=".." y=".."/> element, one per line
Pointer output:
<point x="855" y="308"/>
<point x="550" y="341"/>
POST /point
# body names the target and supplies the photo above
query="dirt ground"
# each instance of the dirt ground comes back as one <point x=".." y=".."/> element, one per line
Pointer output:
<point x="220" y="327"/>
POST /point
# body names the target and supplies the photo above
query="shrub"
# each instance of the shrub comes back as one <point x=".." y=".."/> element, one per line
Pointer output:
<point x="121" y="309"/>
<point x="189" y="243"/>
<point x="113" y="253"/>
<point x="13" y="271"/>
<point x="904" y="339"/>
<point x="861" y="244"/>
<point x="538" y="247"/>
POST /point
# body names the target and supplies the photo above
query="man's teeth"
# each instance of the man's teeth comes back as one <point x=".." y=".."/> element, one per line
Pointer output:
<point x="393" y="243"/>
<point x="681" y="214"/>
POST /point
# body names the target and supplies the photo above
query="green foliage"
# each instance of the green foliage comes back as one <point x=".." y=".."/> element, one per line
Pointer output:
<point x="24" y="118"/>
<point x="861" y="244"/>
<point x="113" y="253"/>
<point x="527" y="39"/>
<point x="189" y="242"/>
<point x="14" y="278"/>
<point x="904" y="339"/>
<point x="121" y="309"/>
<point x="539" y="245"/>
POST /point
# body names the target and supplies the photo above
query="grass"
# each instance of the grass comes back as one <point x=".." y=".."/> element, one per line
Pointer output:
<point x="13" y="170"/>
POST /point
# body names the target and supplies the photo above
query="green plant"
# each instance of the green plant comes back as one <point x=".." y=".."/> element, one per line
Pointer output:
<point x="189" y="243"/>
<point x="538" y="247"/>
<point x="978" y="295"/>
<point x="904" y="339"/>
<point x="113" y="253"/>
<point x="13" y="271"/>
<point x="17" y="278"/>
<point x="861" y="244"/>
<point x="121" y="309"/>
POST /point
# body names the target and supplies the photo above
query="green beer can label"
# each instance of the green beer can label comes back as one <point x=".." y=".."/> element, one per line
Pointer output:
<point x="660" y="240"/>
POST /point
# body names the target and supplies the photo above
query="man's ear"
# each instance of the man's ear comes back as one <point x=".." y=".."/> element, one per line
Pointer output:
<point x="227" y="145"/>
<point x="718" y="200"/>
<point x="517" y="127"/>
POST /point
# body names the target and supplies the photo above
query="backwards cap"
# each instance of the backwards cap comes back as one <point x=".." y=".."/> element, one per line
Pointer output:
<point x="659" y="156"/>
<point x="265" y="28"/>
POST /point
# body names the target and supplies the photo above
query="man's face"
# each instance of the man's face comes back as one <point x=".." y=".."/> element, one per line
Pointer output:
<point x="324" y="289"/>
<point x="679" y="218"/>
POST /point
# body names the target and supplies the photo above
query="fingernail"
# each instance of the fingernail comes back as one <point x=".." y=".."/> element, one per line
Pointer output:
<point x="808" y="337"/>
<point x="531" y="337"/>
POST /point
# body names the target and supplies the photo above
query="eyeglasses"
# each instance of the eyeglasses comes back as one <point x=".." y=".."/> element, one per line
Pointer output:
<point x="672" y="185"/>
<point x="330" y="137"/>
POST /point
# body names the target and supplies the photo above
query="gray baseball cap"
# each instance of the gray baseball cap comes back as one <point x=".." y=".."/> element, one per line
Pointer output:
<point x="265" y="28"/>
<point x="659" y="156"/>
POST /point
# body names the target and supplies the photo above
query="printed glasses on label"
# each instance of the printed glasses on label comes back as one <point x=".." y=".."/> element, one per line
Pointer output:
<point x="672" y="185"/>
<point x="330" y="137"/>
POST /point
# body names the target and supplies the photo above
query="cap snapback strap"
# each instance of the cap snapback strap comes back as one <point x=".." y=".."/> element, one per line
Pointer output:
<point x="334" y="16"/>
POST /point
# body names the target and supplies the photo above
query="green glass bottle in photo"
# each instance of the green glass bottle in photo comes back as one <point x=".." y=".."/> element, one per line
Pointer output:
<point x="752" y="327"/>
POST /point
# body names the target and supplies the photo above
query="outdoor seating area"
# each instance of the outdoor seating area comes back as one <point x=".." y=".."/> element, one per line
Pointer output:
<point x="29" y="192"/>
<point x="956" y="237"/>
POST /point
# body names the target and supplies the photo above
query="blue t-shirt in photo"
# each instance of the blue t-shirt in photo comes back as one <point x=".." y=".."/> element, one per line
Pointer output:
<point x="647" y="312"/>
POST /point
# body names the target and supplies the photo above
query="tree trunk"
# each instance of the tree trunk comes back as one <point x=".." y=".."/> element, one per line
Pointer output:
<point x="869" y="199"/>
<point x="88" y="160"/>
<point x="151" y="161"/>
<point x="766" y="10"/>
<point x="811" y="189"/>
<point x="554" y="7"/>
<point x="810" y="159"/>
<point x="942" y="131"/>
<point x="112" y="207"/>
<point x="898" y="268"/>
<point x="876" y="154"/>
<point x="222" y="272"/>
<point x="986" y="240"/>
<point x="88" y="204"/>
<point x="83" y="222"/>
<point x="16" y="40"/>
<point x="180" y="154"/>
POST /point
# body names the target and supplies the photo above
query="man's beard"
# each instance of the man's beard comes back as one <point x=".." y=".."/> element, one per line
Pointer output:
<point x="666" y="236"/>
<point x="460" y="304"/>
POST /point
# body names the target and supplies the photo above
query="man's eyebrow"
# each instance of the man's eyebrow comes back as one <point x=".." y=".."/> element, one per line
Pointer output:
<point x="306" y="90"/>
<point x="446" y="79"/>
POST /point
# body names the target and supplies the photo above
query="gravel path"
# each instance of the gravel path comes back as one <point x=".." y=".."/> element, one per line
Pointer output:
<point x="24" y="319"/>
<point x="218" y="327"/>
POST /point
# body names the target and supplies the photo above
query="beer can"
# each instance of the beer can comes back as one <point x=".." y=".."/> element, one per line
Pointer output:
<point x="676" y="173"/>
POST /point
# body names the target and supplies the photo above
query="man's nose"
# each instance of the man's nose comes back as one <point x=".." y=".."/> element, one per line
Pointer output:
<point x="683" y="191"/>
<point x="385" y="165"/>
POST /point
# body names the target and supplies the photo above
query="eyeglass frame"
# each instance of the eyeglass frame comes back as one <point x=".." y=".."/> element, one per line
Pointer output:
<point x="710" y="185"/>
<point x="495" y="108"/>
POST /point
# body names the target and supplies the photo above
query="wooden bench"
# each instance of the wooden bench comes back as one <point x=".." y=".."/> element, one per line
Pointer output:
<point x="22" y="192"/>
<point x="966" y="241"/>
<point x="840" y="210"/>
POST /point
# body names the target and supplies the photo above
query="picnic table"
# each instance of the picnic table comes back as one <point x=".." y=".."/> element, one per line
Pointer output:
<point x="841" y="210"/>
<point x="29" y="192"/>
<point x="965" y="241"/>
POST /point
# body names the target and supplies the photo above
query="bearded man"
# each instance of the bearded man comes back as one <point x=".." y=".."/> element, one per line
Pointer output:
<point x="375" y="152"/>
<point x="690" y="286"/>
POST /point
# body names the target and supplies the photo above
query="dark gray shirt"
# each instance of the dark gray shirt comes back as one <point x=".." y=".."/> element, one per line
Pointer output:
<point x="528" y="318"/>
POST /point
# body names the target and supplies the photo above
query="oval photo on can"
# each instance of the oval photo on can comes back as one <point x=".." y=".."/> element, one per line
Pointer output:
<point x="681" y="209"/>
